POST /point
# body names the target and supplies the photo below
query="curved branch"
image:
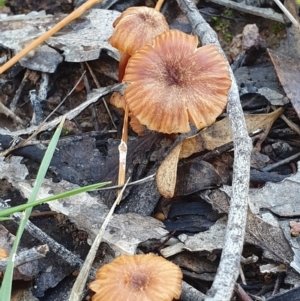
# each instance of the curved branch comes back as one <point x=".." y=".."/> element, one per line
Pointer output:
<point x="223" y="285"/>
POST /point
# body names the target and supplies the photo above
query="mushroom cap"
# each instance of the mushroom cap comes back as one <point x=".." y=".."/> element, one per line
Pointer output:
<point x="173" y="82"/>
<point x="136" y="27"/>
<point x="118" y="101"/>
<point x="139" y="277"/>
<point x="3" y="253"/>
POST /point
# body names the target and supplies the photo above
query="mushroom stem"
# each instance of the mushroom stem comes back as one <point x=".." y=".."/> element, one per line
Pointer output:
<point x="123" y="150"/>
<point x="34" y="44"/>
<point x="159" y="4"/>
<point x="123" y="145"/>
<point x="122" y="65"/>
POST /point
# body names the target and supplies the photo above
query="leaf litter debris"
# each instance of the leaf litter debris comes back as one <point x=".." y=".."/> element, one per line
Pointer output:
<point x="271" y="232"/>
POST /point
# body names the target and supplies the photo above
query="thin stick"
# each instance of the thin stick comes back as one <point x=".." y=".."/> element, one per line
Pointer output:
<point x="267" y="13"/>
<point x="294" y="127"/>
<point x="74" y="15"/>
<point x="223" y="285"/>
<point x="6" y="111"/>
<point x="70" y="114"/>
<point x="85" y="269"/>
<point x="98" y="86"/>
<point x="280" y="163"/>
<point x="123" y="149"/>
<point x="241" y="293"/>
<point x="159" y="4"/>
<point x="13" y="104"/>
<point x="287" y="13"/>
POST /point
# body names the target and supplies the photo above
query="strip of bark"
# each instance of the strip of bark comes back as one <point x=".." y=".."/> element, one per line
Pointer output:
<point x="22" y="257"/>
<point x="189" y="293"/>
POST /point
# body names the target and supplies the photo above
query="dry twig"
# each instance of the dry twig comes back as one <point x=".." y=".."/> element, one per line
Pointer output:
<point x="79" y="284"/>
<point x="280" y="163"/>
<point x="103" y="100"/>
<point x="287" y="13"/>
<point x="7" y="112"/>
<point x="228" y="270"/>
<point x="54" y="246"/>
<point x="96" y="94"/>
<point x="13" y="104"/>
<point x="189" y="293"/>
<point x="267" y="13"/>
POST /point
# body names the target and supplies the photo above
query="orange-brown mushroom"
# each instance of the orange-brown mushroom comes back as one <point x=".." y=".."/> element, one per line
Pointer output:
<point x="118" y="101"/>
<point x="173" y="82"/>
<point x="136" y="27"/>
<point x="138" y="278"/>
<point x="3" y="255"/>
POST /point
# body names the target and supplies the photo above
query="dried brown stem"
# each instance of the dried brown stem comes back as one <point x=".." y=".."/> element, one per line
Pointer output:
<point x="123" y="149"/>
<point x="159" y="4"/>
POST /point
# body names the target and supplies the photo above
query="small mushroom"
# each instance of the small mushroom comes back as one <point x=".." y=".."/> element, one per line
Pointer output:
<point x="3" y="254"/>
<point x="173" y="82"/>
<point x="136" y="27"/>
<point x="118" y="101"/>
<point x="138" y="278"/>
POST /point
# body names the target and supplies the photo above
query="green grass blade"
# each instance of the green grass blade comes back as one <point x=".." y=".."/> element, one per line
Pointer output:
<point x="5" y="219"/>
<point x="5" y="290"/>
<point x="9" y="211"/>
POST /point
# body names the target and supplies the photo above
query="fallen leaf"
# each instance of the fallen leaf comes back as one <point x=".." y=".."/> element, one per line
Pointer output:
<point x="220" y="133"/>
<point x="167" y="173"/>
<point x="195" y="175"/>
<point x="199" y="265"/>
<point x="87" y="36"/>
<point x="210" y="138"/>
<point x="287" y="69"/>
